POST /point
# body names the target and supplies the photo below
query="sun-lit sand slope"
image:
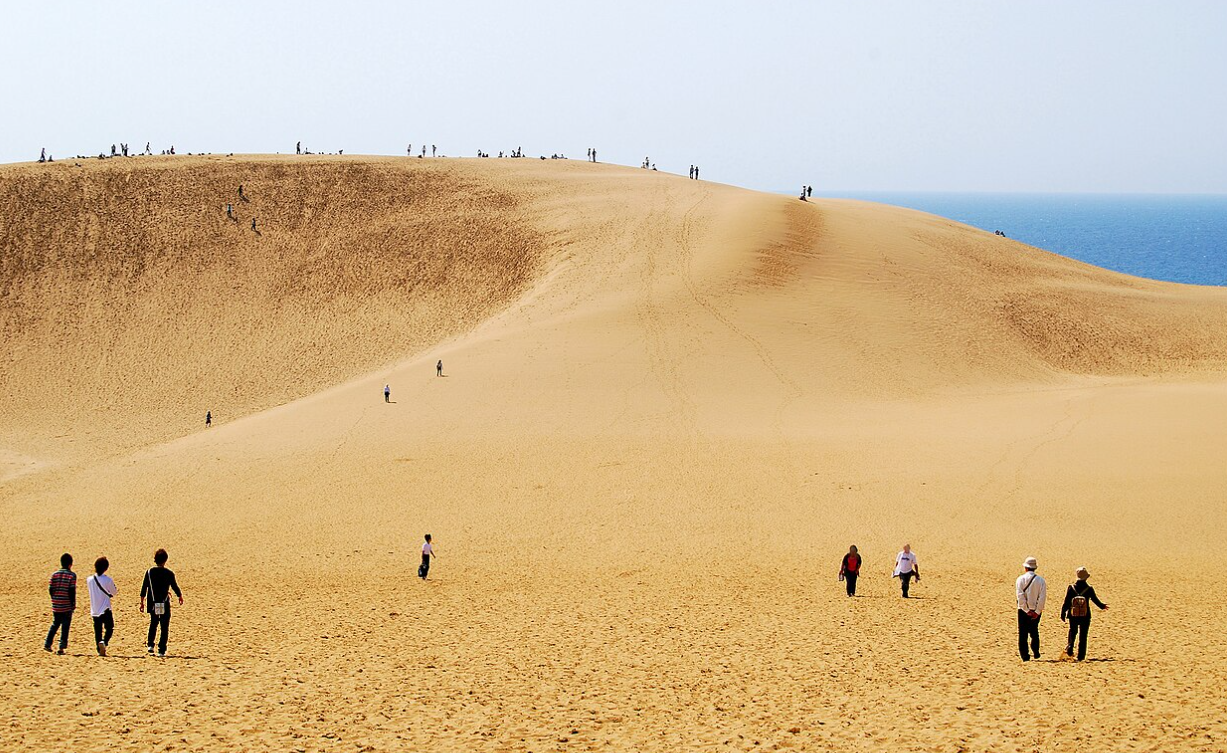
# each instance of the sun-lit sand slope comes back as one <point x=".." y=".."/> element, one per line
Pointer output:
<point x="668" y="407"/>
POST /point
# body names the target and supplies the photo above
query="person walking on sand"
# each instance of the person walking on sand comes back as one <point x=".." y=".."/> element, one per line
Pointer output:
<point x="298" y="148"/>
<point x="1032" y="592"/>
<point x="253" y="225"/>
<point x="101" y="590"/>
<point x="208" y="418"/>
<point x="158" y="583"/>
<point x="906" y="568"/>
<point x="1077" y="607"/>
<point x="387" y="393"/>
<point x="439" y="368"/>
<point x="427" y="551"/>
<point x="850" y="569"/>
<point x="63" y="590"/>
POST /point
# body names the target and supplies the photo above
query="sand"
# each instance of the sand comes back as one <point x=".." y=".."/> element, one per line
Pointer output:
<point x="669" y="407"/>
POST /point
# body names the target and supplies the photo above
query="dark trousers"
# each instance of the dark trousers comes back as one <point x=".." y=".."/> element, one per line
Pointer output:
<point x="850" y="582"/>
<point x="424" y="569"/>
<point x="104" y="622"/>
<point x="1078" y="626"/>
<point x="906" y="580"/>
<point x="1028" y="628"/>
<point x="154" y="621"/>
<point x="61" y="620"/>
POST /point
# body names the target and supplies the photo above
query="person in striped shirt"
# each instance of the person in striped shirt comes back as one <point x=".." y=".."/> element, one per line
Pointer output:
<point x="63" y="601"/>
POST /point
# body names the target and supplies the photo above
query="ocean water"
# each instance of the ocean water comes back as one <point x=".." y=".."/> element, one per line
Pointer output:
<point x="1179" y="238"/>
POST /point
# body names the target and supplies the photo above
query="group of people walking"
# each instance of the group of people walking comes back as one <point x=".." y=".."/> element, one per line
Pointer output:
<point x="156" y="587"/>
<point x="906" y="568"/>
<point x="1031" y="591"/>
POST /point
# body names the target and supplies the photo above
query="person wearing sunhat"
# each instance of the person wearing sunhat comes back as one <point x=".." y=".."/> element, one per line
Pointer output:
<point x="1078" y="598"/>
<point x="1032" y="592"/>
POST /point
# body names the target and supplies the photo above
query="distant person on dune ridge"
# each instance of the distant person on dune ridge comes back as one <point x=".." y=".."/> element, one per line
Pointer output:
<point x="906" y="568"/>
<point x="1032" y="592"/>
<point x="298" y="148"/>
<point x="696" y="172"/>
<point x="809" y="191"/>
<point x="387" y="393"/>
<point x="63" y="589"/>
<point x="101" y="590"/>
<point x="439" y="368"/>
<point x="158" y="583"/>
<point x="1077" y="607"/>
<point x="428" y="551"/>
<point x="850" y="569"/>
<point x="42" y="156"/>
<point x="208" y="418"/>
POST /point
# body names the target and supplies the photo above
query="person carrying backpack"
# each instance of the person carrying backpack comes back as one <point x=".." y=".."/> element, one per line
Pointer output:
<point x="1077" y="607"/>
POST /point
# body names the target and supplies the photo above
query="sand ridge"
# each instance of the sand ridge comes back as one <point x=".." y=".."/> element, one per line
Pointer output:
<point x="648" y="454"/>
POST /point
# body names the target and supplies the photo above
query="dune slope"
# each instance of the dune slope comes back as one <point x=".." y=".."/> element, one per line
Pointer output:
<point x="130" y="303"/>
<point x="667" y="409"/>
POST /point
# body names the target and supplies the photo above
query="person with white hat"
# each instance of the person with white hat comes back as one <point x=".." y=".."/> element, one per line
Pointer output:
<point x="1032" y="592"/>
<point x="1078" y="598"/>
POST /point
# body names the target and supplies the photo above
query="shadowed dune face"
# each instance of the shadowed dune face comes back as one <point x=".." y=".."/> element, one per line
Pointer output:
<point x="130" y="303"/>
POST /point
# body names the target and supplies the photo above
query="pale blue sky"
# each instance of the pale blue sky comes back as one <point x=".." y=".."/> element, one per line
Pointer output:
<point x="970" y="95"/>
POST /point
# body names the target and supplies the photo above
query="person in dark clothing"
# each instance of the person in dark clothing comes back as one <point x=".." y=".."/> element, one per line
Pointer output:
<point x="253" y="224"/>
<point x="850" y="569"/>
<point x="439" y="368"/>
<point x="1079" y="612"/>
<point x="427" y="550"/>
<point x="208" y="418"/>
<point x="159" y="582"/>
<point x="63" y="590"/>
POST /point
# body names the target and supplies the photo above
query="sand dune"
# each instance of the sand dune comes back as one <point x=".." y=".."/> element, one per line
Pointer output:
<point x="669" y="406"/>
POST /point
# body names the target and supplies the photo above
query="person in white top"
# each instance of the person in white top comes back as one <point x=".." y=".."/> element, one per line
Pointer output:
<point x="1032" y="592"/>
<point x="101" y="588"/>
<point x="906" y="568"/>
<point x="428" y="550"/>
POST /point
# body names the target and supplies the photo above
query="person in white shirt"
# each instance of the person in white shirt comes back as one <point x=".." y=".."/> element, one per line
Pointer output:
<point x="1032" y="592"/>
<point x="428" y="550"/>
<point x="906" y="568"/>
<point x="101" y="588"/>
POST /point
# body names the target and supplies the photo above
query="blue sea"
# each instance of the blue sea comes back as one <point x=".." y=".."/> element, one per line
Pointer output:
<point x="1179" y="238"/>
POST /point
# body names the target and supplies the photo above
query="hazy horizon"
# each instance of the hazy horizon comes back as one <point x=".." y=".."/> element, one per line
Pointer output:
<point x="891" y="96"/>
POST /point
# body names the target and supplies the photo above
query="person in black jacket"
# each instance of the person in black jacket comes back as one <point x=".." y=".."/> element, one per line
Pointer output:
<point x="159" y="582"/>
<point x="1079" y="624"/>
<point x="850" y="569"/>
